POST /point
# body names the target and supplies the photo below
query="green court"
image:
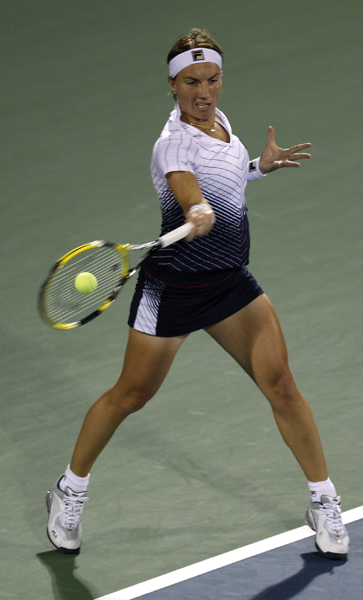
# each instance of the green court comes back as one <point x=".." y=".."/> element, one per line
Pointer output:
<point x="201" y="470"/>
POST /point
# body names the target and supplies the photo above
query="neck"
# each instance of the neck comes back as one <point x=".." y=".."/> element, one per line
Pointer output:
<point x="206" y="124"/>
<point x="213" y="128"/>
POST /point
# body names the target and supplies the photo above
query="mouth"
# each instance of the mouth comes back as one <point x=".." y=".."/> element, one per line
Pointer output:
<point x="203" y="105"/>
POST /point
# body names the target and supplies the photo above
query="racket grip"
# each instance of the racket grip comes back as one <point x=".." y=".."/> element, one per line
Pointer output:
<point x="175" y="235"/>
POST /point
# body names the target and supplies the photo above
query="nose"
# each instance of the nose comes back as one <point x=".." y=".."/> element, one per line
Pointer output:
<point x="204" y="90"/>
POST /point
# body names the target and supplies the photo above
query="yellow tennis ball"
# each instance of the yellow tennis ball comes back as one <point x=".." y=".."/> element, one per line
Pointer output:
<point x="85" y="283"/>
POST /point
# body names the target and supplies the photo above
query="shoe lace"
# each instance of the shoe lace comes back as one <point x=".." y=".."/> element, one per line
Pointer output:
<point x="333" y="518"/>
<point x="73" y="506"/>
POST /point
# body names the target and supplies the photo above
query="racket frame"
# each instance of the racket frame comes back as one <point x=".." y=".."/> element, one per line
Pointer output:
<point x="122" y="249"/>
<point x="126" y="273"/>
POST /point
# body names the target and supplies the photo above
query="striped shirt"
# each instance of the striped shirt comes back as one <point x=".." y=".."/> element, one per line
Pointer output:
<point x="222" y="170"/>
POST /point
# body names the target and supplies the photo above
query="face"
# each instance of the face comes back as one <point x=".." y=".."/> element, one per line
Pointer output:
<point x="198" y="87"/>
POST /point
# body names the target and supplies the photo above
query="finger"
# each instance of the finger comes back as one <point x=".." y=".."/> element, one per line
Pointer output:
<point x="271" y="135"/>
<point x="191" y="235"/>
<point x="199" y="230"/>
<point x="201" y="215"/>
<point x="286" y="163"/>
<point x="299" y="156"/>
<point x="203" y="223"/>
<point x="299" y="147"/>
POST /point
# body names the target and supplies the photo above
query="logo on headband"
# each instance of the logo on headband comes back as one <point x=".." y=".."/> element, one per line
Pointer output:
<point x="197" y="55"/>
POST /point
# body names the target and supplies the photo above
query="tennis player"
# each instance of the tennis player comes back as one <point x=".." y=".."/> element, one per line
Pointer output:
<point x="200" y="170"/>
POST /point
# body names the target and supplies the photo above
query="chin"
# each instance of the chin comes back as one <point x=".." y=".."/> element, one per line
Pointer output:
<point x="203" y="114"/>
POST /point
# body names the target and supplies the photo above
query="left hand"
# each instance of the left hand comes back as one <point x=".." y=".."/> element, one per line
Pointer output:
<point x="273" y="157"/>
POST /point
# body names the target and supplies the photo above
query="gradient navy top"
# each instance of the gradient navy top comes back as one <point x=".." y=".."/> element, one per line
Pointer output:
<point x="222" y="170"/>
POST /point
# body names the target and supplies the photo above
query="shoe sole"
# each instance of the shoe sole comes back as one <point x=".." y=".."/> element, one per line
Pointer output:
<point x="331" y="555"/>
<point x="59" y="548"/>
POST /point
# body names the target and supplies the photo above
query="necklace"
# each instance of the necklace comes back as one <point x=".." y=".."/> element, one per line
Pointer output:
<point x="213" y="129"/>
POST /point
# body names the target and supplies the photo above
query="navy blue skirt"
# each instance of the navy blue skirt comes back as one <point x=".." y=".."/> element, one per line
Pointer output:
<point x="166" y="306"/>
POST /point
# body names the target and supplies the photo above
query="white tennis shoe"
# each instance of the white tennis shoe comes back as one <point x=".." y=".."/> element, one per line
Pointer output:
<point x="64" y="527"/>
<point x="325" y="518"/>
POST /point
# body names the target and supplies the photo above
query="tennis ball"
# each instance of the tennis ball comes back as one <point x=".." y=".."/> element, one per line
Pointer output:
<point x="85" y="283"/>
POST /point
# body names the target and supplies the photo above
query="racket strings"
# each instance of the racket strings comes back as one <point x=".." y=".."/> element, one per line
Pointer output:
<point x="63" y="303"/>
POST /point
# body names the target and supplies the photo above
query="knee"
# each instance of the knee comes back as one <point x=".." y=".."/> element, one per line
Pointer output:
<point x="130" y="400"/>
<point x="282" y="392"/>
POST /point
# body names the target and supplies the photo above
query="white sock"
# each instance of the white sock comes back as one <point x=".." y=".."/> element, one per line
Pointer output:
<point x="321" y="488"/>
<point x="75" y="483"/>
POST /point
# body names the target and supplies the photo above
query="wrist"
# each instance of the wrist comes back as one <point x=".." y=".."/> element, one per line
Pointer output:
<point x="255" y="171"/>
<point x="203" y="206"/>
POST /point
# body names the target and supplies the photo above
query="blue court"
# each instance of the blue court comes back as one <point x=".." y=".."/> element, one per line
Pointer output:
<point x="290" y="570"/>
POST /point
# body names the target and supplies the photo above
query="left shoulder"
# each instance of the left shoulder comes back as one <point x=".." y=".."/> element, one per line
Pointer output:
<point x="222" y="119"/>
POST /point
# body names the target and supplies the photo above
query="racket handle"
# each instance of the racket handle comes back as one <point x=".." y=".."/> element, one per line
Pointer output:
<point x="175" y="235"/>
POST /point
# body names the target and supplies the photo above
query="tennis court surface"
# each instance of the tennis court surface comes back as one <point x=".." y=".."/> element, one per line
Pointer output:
<point x="278" y="568"/>
<point x="202" y="469"/>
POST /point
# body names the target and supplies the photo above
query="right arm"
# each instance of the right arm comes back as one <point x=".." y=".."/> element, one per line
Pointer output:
<point x="185" y="188"/>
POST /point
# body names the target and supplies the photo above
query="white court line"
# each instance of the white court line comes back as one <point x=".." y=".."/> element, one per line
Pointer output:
<point x="228" y="558"/>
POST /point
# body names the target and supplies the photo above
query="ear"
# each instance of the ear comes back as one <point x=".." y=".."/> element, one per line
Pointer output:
<point x="172" y="84"/>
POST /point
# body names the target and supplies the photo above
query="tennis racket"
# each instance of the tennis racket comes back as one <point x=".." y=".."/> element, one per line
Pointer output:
<point x="62" y="306"/>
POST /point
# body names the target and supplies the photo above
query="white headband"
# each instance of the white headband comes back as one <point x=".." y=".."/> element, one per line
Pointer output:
<point x="190" y="57"/>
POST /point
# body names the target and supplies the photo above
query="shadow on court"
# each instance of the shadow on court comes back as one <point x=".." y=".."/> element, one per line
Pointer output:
<point x="65" y="584"/>
<point x="314" y="566"/>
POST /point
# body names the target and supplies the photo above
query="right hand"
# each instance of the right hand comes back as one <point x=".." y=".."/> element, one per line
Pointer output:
<point x="203" y="218"/>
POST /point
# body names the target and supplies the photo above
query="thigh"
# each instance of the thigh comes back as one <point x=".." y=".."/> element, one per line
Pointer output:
<point x="147" y="361"/>
<point x="254" y="338"/>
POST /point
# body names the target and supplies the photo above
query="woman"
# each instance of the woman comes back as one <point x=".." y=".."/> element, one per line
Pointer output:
<point x="200" y="170"/>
